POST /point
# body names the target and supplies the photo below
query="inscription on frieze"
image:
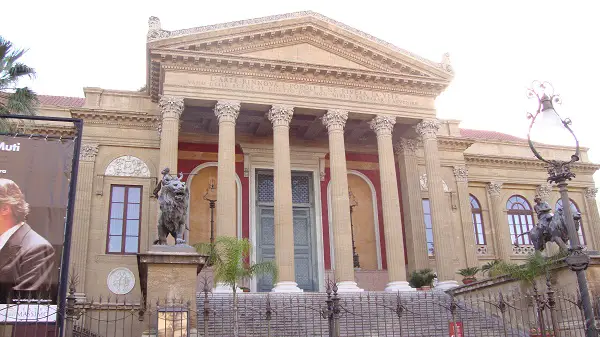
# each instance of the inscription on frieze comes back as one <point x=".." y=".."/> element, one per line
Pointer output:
<point x="302" y="89"/>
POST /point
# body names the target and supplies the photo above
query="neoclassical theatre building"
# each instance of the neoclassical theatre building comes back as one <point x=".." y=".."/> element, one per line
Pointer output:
<point x="320" y="144"/>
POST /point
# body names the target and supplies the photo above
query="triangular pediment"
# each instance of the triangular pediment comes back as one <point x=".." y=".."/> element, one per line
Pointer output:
<point x="301" y="37"/>
<point x="306" y="53"/>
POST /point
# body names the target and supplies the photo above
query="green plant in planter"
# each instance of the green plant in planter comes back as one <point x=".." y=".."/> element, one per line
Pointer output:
<point x="468" y="274"/>
<point x="488" y="268"/>
<point x="421" y="278"/>
<point x="536" y="265"/>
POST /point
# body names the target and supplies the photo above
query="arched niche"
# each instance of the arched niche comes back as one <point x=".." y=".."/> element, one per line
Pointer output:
<point x="199" y="208"/>
<point x="127" y="166"/>
<point x="365" y="219"/>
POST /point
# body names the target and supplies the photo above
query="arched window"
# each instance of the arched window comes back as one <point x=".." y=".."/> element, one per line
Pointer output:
<point x="477" y="220"/>
<point x="520" y="219"/>
<point x="574" y="209"/>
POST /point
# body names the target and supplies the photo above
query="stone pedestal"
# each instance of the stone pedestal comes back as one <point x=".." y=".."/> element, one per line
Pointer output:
<point x="168" y="274"/>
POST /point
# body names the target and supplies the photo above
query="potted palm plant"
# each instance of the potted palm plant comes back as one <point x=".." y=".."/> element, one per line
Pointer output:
<point x="229" y="257"/>
<point x="488" y="268"/>
<point x="421" y="279"/>
<point x="468" y="274"/>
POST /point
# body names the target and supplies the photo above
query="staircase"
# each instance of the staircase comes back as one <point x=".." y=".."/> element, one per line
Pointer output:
<point x="422" y="314"/>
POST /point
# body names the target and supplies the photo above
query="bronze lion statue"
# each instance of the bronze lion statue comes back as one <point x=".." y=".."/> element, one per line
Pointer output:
<point x="173" y="201"/>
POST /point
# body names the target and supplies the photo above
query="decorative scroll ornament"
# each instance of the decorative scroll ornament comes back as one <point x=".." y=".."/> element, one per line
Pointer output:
<point x="227" y="111"/>
<point x="428" y="128"/>
<point x="383" y="125"/>
<point x="127" y="166"/>
<point x="88" y="152"/>
<point x="155" y="32"/>
<point x="425" y="187"/>
<point x="461" y="173"/>
<point x="335" y="119"/>
<point x="280" y="115"/>
<point x="120" y="281"/>
<point x="590" y="192"/>
<point x="494" y="188"/>
<point x="543" y="191"/>
<point x="407" y="146"/>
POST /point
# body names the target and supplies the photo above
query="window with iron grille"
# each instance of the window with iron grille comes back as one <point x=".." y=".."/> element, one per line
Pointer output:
<point x="477" y="220"/>
<point x="520" y="219"/>
<point x="124" y="217"/>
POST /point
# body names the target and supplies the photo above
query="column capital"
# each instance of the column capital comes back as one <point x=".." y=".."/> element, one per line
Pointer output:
<point x="280" y="115"/>
<point x="461" y="173"/>
<point x="543" y="191"/>
<point x="335" y="119"/>
<point x="407" y="146"/>
<point x="494" y="188"/>
<point x="590" y="193"/>
<point x="383" y="125"/>
<point x="227" y="111"/>
<point x="428" y="128"/>
<point x="88" y="152"/>
<point x="171" y="106"/>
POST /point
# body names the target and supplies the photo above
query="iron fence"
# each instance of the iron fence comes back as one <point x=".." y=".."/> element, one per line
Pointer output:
<point x="423" y="313"/>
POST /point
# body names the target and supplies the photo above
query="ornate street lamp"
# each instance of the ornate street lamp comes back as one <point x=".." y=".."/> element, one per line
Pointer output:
<point x="353" y="203"/>
<point x="559" y="172"/>
<point x="211" y="197"/>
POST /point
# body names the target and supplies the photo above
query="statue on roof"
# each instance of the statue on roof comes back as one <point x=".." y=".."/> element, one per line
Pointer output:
<point x="445" y="64"/>
<point x="155" y="31"/>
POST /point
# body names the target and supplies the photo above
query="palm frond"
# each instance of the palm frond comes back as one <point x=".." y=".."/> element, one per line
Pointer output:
<point x="23" y="101"/>
<point x="264" y="268"/>
<point x="20" y="70"/>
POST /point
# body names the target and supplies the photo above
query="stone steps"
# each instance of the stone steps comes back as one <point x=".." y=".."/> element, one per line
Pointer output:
<point x="423" y="314"/>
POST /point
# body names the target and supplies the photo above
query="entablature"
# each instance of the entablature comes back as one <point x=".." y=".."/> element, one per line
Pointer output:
<point x="116" y="118"/>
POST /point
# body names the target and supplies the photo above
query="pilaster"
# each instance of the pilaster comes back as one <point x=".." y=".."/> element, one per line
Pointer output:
<point x="412" y="204"/>
<point x="503" y="246"/>
<point x="394" y="242"/>
<point x="461" y="174"/>
<point x="593" y="238"/>
<point x="441" y="222"/>
<point x="335" y="120"/>
<point x="83" y="205"/>
<point x="281" y="116"/>
<point x="227" y="113"/>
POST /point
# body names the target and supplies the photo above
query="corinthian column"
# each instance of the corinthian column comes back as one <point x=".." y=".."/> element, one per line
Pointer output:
<point x="171" y="108"/>
<point x="441" y="222"/>
<point x="462" y="182"/>
<point x="227" y="113"/>
<point x="392" y="222"/>
<point x="412" y="204"/>
<point x="335" y="120"/>
<point x="281" y="116"/>
<point x="83" y="205"/>
<point x="593" y="241"/>
<point x="501" y="231"/>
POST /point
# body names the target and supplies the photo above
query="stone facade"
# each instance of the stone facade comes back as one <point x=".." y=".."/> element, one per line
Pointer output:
<point x="303" y="93"/>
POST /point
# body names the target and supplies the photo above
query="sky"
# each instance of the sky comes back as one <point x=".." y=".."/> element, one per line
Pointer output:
<point x="497" y="48"/>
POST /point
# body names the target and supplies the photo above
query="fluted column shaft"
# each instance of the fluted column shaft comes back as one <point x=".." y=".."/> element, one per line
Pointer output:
<point x="593" y="239"/>
<point x="468" y="229"/>
<point x="83" y="205"/>
<point x="503" y="245"/>
<point x="227" y="113"/>
<point x="441" y="221"/>
<point x="281" y="116"/>
<point x="171" y="108"/>
<point x="335" y="120"/>
<point x="416" y="238"/>
<point x="394" y="242"/>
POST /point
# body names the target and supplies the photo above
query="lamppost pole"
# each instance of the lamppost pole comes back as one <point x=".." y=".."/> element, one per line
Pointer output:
<point x="211" y="197"/>
<point x="559" y="172"/>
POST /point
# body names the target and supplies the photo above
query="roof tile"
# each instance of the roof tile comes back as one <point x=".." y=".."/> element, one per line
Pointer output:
<point x="61" y="101"/>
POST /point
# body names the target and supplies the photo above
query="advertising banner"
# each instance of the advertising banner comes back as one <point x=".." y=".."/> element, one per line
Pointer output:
<point x="34" y="187"/>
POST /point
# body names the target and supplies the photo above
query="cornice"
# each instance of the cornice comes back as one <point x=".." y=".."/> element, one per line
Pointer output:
<point x="453" y="143"/>
<point x="314" y="21"/>
<point x="41" y="129"/>
<point x="522" y="163"/>
<point x="116" y="118"/>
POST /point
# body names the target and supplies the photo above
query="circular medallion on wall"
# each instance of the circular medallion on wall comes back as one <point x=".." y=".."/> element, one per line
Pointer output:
<point x="120" y="281"/>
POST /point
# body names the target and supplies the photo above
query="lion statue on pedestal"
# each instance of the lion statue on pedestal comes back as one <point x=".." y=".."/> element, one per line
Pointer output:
<point x="173" y="201"/>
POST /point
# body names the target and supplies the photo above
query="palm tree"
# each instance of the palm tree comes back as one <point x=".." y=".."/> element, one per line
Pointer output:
<point x="14" y="100"/>
<point x="229" y="257"/>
